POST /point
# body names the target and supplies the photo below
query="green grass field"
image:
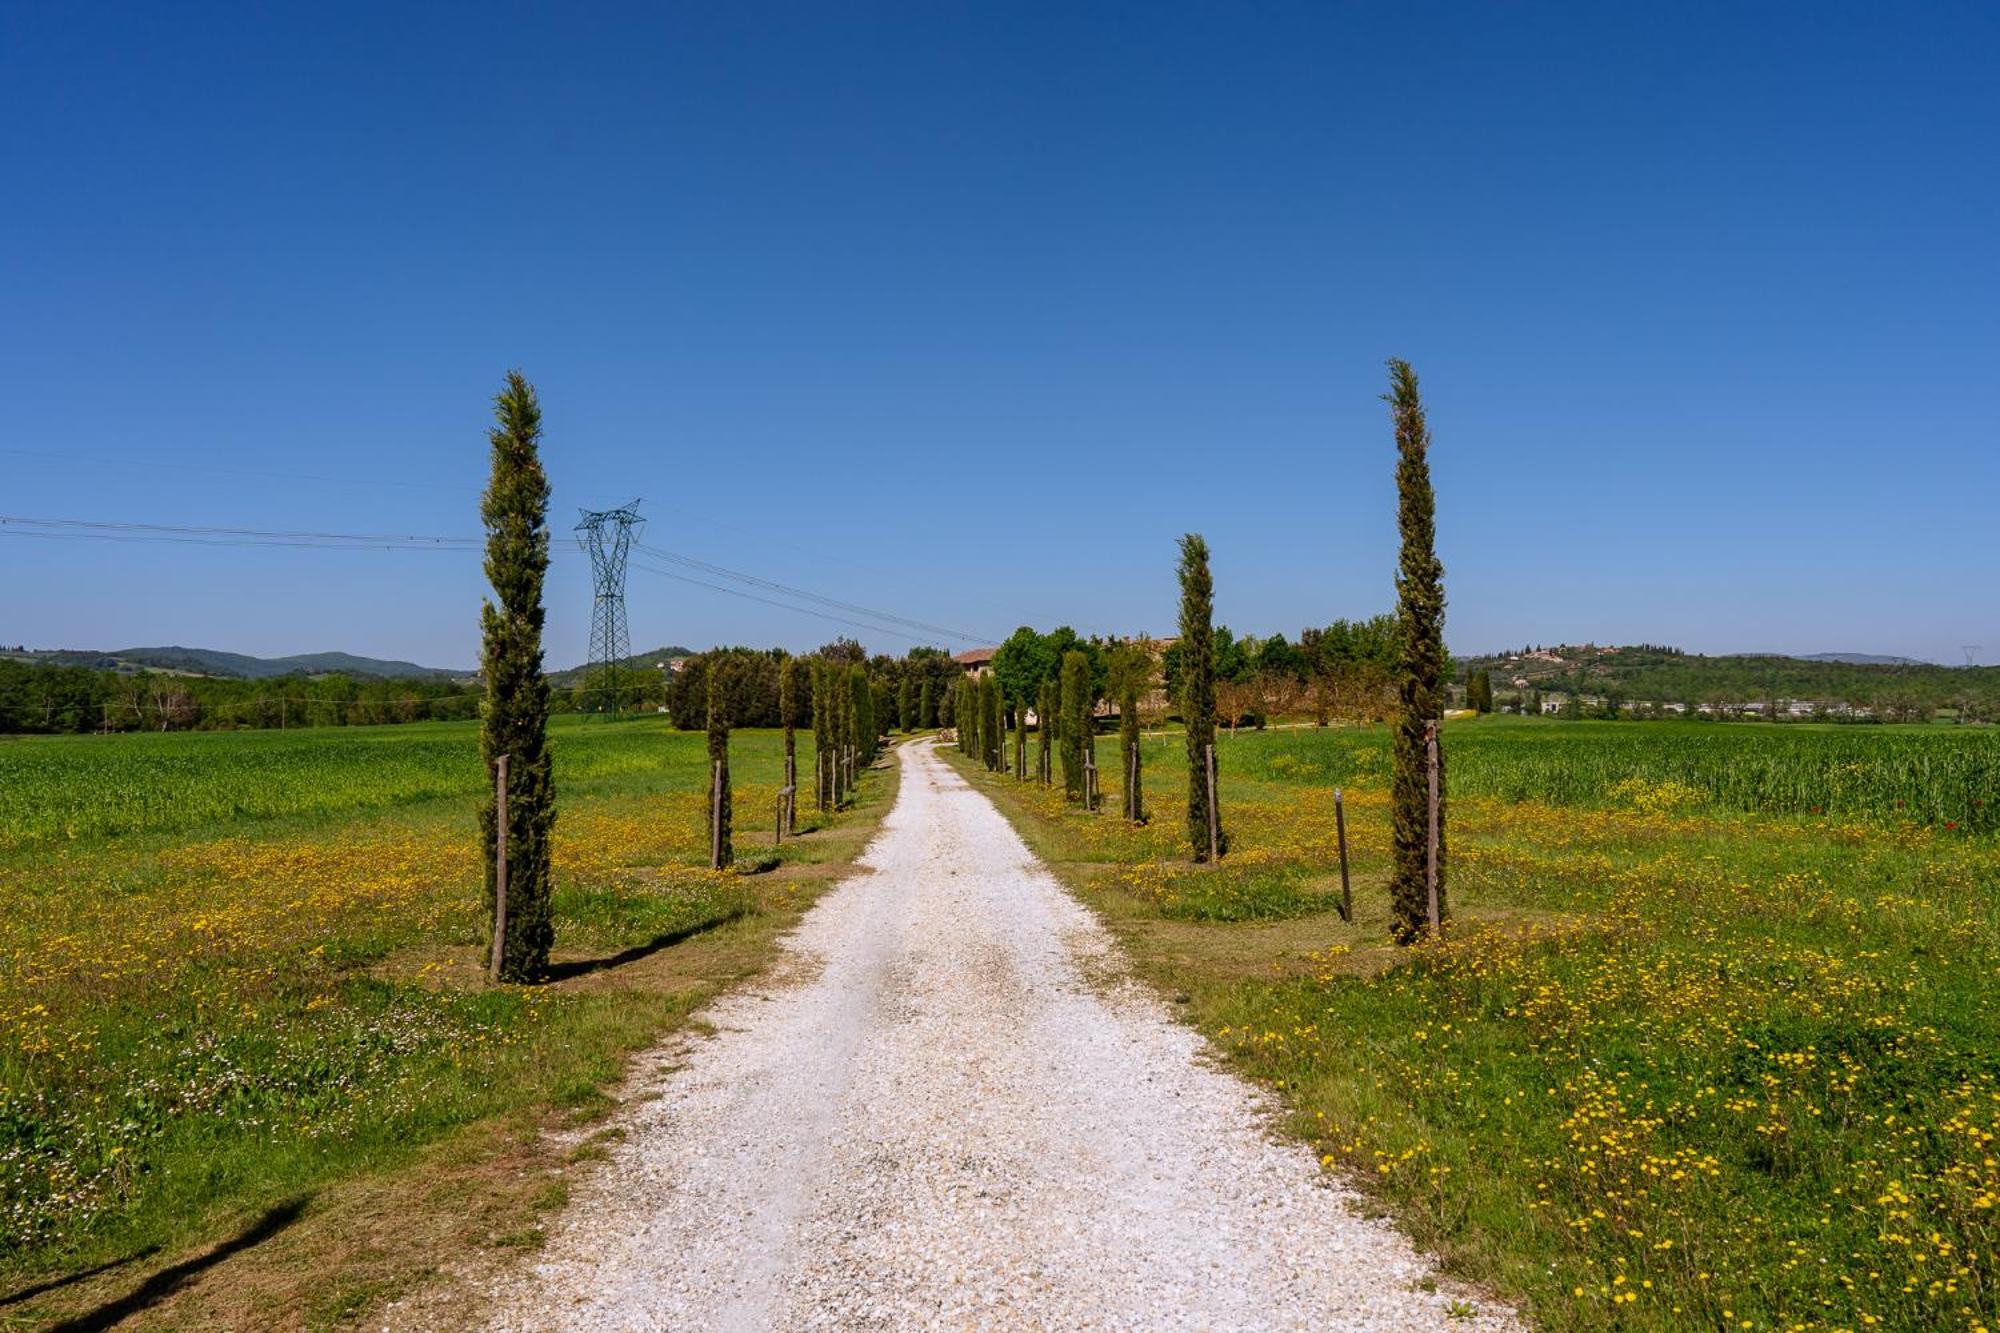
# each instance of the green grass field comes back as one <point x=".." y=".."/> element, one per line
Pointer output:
<point x="239" y="970"/>
<point x="1714" y="1042"/>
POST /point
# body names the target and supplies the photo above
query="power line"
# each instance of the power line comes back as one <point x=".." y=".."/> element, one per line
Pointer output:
<point x="723" y="571"/>
<point x="384" y="476"/>
<point x="77" y="529"/>
<point x="20" y="525"/>
<point x="782" y="606"/>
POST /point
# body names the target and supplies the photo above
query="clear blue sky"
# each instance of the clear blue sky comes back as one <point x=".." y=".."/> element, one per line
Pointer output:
<point x="965" y="312"/>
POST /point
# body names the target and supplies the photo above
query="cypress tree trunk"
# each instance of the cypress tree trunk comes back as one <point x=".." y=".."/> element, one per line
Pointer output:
<point x="1128" y="754"/>
<point x="1198" y="689"/>
<point x="1420" y="688"/>
<point x="1075" y="717"/>
<point x="514" y="720"/>
<point x="718" y="756"/>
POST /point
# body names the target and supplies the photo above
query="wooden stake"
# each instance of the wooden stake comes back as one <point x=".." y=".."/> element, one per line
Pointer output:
<point x="499" y="865"/>
<point x="1214" y="819"/>
<point x="1340" y="833"/>
<point x="1431" y="860"/>
<point x="715" y="820"/>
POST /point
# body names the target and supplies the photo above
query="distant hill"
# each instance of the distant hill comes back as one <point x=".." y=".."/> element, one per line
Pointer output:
<point x="237" y="666"/>
<point x="647" y="661"/>
<point x="1864" y="659"/>
<point x="1896" y="688"/>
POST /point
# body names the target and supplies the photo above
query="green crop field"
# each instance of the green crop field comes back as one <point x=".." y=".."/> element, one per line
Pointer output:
<point x="1925" y="775"/>
<point x="1714" y="1041"/>
<point x="238" y="969"/>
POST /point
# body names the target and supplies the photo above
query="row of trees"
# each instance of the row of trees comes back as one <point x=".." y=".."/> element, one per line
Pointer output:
<point x="851" y="700"/>
<point x="1064" y="706"/>
<point x="1197" y="674"/>
<point x="42" y="698"/>
<point x="905" y="692"/>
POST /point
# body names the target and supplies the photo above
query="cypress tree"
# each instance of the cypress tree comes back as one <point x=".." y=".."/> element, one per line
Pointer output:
<point x="924" y="715"/>
<point x="837" y="699"/>
<point x="822" y="737"/>
<point x="1128" y="753"/>
<point x="976" y="692"/>
<point x="719" y="668"/>
<point x="786" y="704"/>
<point x="860" y="715"/>
<point x="839" y="702"/>
<point x="906" y="706"/>
<point x="1197" y="647"/>
<point x="514" y="719"/>
<point x="1420" y="688"/>
<point x="1089" y="729"/>
<point x="1045" y="724"/>
<point x="1020" y="738"/>
<point x="1075" y="711"/>
<point x="968" y="719"/>
<point x="995" y="730"/>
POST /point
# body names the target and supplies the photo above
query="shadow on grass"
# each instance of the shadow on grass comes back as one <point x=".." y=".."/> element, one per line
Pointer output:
<point x="170" y="1279"/>
<point x="70" y="1279"/>
<point x="583" y="967"/>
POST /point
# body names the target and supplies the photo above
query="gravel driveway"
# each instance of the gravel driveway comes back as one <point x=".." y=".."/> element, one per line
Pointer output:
<point x="931" y="1118"/>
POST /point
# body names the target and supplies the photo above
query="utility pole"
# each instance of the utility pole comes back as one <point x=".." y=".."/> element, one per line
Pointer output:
<point x="608" y="535"/>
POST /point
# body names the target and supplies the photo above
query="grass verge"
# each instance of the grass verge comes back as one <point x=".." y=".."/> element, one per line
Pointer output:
<point x="250" y="1075"/>
<point x="1672" y="1068"/>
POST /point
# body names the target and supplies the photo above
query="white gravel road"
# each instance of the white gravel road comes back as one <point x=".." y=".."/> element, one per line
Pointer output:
<point x="939" y="1114"/>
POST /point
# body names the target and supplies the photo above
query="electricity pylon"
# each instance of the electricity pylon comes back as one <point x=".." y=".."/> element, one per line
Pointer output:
<point x="607" y="534"/>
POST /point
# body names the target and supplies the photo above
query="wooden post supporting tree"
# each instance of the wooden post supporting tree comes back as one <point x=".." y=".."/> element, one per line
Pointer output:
<point x="1340" y="836"/>
<point x="1214" y="807"/>
<point x="1205" y="831"/>
<point x="515" y="715"/>
<point x="1418" y="900"/>
<point x="499" y="865"/>
<point x="722" y="853"/>
<point x="787" y="707"/>
<point x="1433" y="827"/>
<point x="1128" y="744"/>
<point x="797" y="687"/>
